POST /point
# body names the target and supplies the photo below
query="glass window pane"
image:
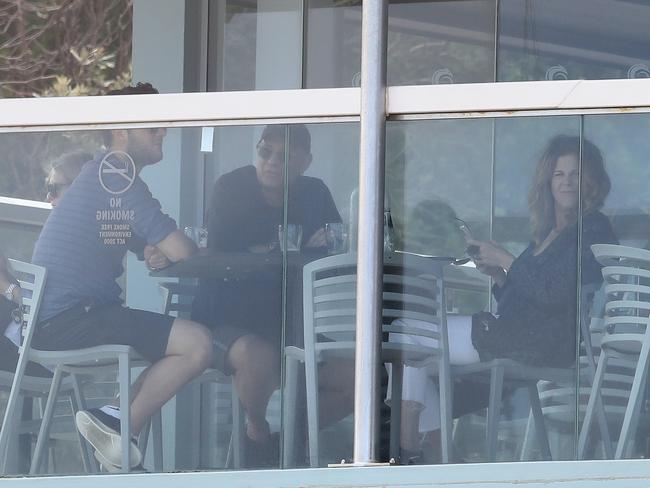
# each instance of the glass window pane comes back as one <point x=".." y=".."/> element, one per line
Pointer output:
<point x="248" y="53"/>
<point x="428" y="43"/>
<point x="441" y="42"/>
<point x="623" y="148"/>
<point x="581" y="39"/>
<point x="490" y="201"/>
<point x="261" y="203"/>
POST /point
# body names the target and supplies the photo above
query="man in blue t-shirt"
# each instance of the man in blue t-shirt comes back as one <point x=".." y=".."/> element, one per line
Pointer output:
<point x="82" y="245"/>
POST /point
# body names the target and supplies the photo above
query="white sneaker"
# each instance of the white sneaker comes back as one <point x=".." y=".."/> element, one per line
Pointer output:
<point x="111" y="468"/>
<point x="106" y="440"/>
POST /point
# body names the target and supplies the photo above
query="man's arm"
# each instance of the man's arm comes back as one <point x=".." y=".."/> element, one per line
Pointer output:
<point x="177" y="246"/>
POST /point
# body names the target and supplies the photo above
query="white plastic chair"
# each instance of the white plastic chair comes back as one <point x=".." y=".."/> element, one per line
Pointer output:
<point x="90" y="361"/>
<point x="626" y="338"/>
<point x="21" y="386"/>
<point x="559" y="400"/>
<point x="412" y="289"/>
<point x="518" y="374"/>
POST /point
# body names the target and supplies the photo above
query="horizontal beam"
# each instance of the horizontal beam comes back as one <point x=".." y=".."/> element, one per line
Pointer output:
<point x="178" y="107"/>
<point x="565" y="474"/>
<point x="18" y="211"/>
<point x="479" y="98"/>
<point x="277" y="106"/>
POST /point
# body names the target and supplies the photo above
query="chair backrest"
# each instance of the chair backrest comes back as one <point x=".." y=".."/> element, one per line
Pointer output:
<point x="412" y="289"/>
<point x="32" y="283"/>
<point x="559" y="400"/>
<point x="626" y="273"/>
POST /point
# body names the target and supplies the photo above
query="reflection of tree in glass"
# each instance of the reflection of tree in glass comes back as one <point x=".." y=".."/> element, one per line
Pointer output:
<point x="432" y="228"/>
<point x="58" y="48"/>
<point x="25" y="159"/>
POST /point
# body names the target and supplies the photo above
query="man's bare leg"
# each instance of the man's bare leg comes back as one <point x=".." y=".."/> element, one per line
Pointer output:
<point x="256" y="366"/>
<point x="188" y="354"/>
<point x="335" y="391"/>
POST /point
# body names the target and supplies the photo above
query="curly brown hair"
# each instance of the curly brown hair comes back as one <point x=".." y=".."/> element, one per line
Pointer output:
<point x="595" y="183"/>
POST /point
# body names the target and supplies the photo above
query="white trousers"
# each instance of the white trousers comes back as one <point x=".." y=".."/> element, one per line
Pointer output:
<point x="420" y="387"/>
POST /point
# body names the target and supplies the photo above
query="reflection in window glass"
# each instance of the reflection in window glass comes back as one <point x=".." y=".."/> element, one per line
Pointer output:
<point x="64" y="48"/>
<point x="277" y="198"/>
<point x="250" y="54"/>
<point x="518" y="187"/>
<point x="247" y="216"/>
<point x="615" y="348"/>
<point x="428" y="43"/>
<point x="27" y="159"/>
<point x="581" y="39"/>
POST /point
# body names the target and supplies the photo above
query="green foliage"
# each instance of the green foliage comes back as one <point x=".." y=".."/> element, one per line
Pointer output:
<point x="64" y="47"/>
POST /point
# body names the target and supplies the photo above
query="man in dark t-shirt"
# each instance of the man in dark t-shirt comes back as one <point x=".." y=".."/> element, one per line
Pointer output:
<point x="82" y="245"/>
<point x="246" y="209"/>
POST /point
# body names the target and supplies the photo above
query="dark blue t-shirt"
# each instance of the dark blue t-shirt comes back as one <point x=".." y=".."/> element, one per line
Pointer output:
<point x="84" y="239"/>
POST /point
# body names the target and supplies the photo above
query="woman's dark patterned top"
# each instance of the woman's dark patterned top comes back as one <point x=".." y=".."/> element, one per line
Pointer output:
<point x="536" y="314"/>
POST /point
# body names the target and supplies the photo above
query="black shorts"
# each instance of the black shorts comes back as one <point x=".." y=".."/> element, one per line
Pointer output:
<point x="9" y="360"/>
<point x="79" y="327"/>
<point x="226" y="335"/>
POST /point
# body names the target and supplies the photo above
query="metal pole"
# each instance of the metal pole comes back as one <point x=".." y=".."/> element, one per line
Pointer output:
<point x="370" y="240"/>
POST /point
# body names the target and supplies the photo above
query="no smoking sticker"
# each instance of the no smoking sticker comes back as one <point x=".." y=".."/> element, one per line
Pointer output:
<point x="117" y="172"/>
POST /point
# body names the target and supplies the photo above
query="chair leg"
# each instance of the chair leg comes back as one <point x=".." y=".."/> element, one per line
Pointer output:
<point x="494" y="411"/>
<point x="540" y="425"/>
<point x="78" y="403"/>
<point x="237" y="437"/>
<point x="124" y="382"/>
<point x="143" y="438"/>
<point x="76" y="400"/>
<point x="446" y="430"/>
<point x="630" y="421"/>
<point x="156" y="430"/>
<point x="528" y="436"/>
<point x="311" y="388"/>
<point x="289" y="413"/>
<point x="583" y="437"/>
<point x="44" y="431"/>
<point x="12" y="416"/>
<point x="13" y="457"/>
<point x="397" y="378"/>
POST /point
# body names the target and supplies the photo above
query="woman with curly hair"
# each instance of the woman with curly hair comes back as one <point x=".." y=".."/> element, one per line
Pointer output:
<point x="536" y="292"/>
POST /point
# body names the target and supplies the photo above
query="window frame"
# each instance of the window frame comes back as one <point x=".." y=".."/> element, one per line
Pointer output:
<point x="489" y="100"/>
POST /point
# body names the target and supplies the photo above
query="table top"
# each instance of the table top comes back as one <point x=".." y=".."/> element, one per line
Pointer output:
<point x="236" y="266"/>
<point x="232" y="265"/>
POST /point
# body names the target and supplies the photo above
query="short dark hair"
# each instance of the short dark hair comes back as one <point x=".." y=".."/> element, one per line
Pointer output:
<point x="139" y="89"/>
<point x="298" y="135"/>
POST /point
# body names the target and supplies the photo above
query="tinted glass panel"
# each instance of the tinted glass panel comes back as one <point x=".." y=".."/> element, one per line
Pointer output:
<point x="583" y="39"/>
<point x="428" y="43"/>
<point x="490" y="201"/>
<point x="602" y="434"/>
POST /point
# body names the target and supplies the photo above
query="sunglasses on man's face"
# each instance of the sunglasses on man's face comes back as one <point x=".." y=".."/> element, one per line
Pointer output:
<point x="266" y="152"/>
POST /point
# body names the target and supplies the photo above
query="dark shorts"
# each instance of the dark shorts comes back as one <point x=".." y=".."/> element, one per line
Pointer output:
<point x="9" y="360"/>
<point x="224" y="336"/>
<point x="78" y="327"/>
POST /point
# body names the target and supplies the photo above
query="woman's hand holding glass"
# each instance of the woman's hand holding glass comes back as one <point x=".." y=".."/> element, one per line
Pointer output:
<point x="491" y="259"/>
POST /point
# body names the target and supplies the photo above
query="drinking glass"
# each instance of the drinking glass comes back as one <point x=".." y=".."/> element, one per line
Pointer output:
<point x="293" y="237"/>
